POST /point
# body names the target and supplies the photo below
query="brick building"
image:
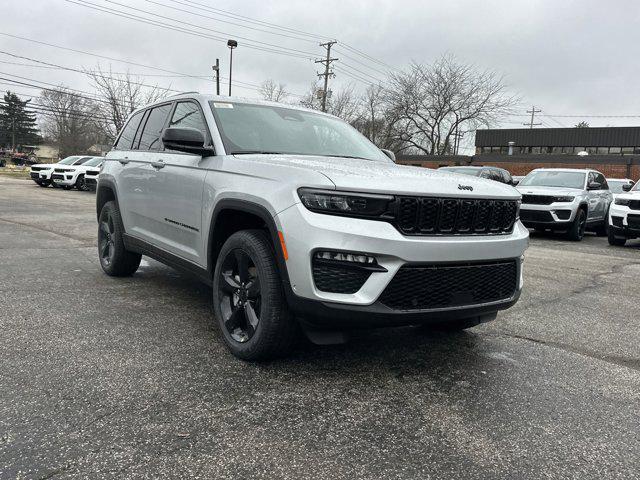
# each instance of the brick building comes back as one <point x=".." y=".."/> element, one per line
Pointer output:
<point x="615" y="151"/>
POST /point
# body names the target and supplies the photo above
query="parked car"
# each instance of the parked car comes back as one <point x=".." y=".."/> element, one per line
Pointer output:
<point x="624" y="216"/>
<point x="492" y="173"/>
<point x="616" y="185"/>
<point x="74" y="175"/>
<point x="565" y="199"/>
<point x="41" y="172"/>
<point x="91" y="177"/>
<point x="296" y="219"/>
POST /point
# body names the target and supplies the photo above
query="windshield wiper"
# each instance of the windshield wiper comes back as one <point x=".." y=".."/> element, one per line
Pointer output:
<point x="347" y="156"/>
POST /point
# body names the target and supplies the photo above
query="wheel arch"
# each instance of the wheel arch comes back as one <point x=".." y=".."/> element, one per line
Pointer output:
<point x="105" y="192"/>
<point x="233" y="215"/>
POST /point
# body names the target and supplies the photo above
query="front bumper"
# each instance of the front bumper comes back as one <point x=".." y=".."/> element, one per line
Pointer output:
<point x="40" y="176"/>
<point x="63" y="179"/>
<point x="624" y="221"/>
<point x="306" y="232"/>
<point x="556" y="215"/>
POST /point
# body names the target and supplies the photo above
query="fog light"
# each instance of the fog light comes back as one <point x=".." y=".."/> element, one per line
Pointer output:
<point x="346" y="257"/>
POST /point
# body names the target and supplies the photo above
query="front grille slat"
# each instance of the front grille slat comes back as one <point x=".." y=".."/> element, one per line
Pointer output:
<point x="424" y="287"/>
<point x="454" y="216"/>
<point x="537" y="199"/>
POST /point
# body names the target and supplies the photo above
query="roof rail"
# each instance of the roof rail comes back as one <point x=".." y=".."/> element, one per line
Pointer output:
<point x="182" y="93"/>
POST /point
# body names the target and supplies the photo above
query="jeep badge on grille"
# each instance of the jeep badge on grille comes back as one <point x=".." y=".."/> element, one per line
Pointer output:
<point x="465" y="187"/>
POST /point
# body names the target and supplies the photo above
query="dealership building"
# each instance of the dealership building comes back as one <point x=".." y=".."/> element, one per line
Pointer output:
<point x="615" y="151"/>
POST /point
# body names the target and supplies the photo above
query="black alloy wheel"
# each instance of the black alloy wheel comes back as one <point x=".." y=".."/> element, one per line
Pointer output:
<point x="106" y="239"/>
<point x="240" y="295"/>
<point x="81" y="184"/>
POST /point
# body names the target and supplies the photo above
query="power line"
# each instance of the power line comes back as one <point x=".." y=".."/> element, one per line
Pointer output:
<point x="276" y="49"/>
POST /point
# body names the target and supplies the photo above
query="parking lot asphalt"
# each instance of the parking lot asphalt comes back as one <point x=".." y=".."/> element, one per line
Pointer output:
<point x="103" y="377"/>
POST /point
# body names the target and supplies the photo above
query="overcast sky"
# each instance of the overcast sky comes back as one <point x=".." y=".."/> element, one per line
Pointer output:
<point x="564" y="57"/>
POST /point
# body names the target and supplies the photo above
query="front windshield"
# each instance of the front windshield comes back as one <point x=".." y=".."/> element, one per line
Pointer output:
<point x="250" y="128"/>
<point x="549" y="178"/>
<point x="94" y="162"/>
<point x="616" y="185"/>
<point x="464" y="171"/>
<point x="68" y="160"/>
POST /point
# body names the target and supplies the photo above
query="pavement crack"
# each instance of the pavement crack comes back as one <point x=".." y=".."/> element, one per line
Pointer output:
<point x="43" y="229"/>
<point x="631" y="363"/>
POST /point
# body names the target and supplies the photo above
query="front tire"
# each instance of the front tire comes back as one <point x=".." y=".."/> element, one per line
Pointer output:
<point x="576" y="231"/>
<point x="615" y="241"/>
<point x="81" y="184"/>
<point x="115" y="259"/>
<point x="248" y="300"/>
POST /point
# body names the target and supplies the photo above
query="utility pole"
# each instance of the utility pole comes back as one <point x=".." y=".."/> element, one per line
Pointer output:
<point x="327" y="71"/>
<point x="456" y="142"/>
<point x="216" y="68"/>
<point x="533" y="112"/>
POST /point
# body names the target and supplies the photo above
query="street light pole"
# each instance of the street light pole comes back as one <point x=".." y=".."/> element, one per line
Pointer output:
<point x="231" y="44"/>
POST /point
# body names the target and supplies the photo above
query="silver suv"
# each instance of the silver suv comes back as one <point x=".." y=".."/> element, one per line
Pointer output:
<point x="565" y="199"/>
<point x="297" y="220"/>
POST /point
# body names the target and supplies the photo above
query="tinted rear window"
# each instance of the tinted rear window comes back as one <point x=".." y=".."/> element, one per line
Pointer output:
<point x="128" y="132"/>
<point x="150" y="139"/>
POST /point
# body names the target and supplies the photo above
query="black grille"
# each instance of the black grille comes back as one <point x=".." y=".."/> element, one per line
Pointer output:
<point x="56" y="176"/>
<point x="441" y="286"/>
<point x="62" y="170"/>
<point x="633" y="221"/>
<point x="35" y="175"/>
<point x="537" y="199"/>
<point x="535" y="216"/>
<point x="454" y="216"/>
<point x="37" y="169"/>
<point x="634" y="204"/>
<point x="338" y="279"/>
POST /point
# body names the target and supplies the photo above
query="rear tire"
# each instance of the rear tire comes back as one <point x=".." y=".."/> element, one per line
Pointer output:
<point x="615" y="241"/>
<point x="576" y="231"/>
<point x="248" y="299"/>
<point x="115" y="259"/>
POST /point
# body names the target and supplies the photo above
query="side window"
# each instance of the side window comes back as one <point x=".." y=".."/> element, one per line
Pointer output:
<point x="128" y="132"/>
<point x="188" y="115"/>
<point x="495" y="175"/>
<point x="603" y="181"/>
<point x="150" y="139"/>
<point x="485" y="174"/>
<point x="592" y="178"/>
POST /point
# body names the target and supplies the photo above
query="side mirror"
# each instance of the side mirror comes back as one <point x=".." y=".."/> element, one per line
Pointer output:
<point x="389" y="154"/>
<point x="627" y="187"/>
<point x="187" y="140"/>
<point x="594" y="186"/>
<point x="515" y="182"/>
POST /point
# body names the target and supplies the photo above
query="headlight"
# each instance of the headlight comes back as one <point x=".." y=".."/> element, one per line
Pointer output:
<point x="345" y="203"/>
<point x="566" y="198"/>
<point x="622" y="201"/>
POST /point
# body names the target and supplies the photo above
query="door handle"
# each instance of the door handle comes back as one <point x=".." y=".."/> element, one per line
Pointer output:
<point x="158" y="164"/>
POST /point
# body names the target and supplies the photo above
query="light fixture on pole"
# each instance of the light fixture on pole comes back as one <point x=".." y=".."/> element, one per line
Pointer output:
<point x="231" y="44"/>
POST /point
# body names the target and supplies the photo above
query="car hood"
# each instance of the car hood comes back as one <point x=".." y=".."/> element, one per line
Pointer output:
<point x="555" y="191"/>
<point x="385" y="177"/>
<point x="46" y="165"/>
<point x="635" y="195"/>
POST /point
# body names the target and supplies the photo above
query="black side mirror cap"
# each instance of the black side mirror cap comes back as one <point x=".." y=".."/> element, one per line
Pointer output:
<point x="594" y="186"/>
<point x="389" y="154"/>
<point x="627" y="187"/>
<point x="187" y="140"/>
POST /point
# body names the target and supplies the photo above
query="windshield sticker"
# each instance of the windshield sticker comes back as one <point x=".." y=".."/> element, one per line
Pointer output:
<point x="222" y="105"/>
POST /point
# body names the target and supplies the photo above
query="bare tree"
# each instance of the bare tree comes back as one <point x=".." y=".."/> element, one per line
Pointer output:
<point x="431" y="104"/>
<point x="272" y="91"/>
<point x="343" y="103"/>
<point x="69" y="120"/>
<point x="119" y="95"/>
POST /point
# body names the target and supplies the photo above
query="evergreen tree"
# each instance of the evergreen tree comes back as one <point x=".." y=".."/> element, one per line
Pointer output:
<point x="17" y="124"/>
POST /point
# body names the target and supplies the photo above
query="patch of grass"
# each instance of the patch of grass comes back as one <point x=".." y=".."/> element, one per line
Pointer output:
<point x="13" y="173"/>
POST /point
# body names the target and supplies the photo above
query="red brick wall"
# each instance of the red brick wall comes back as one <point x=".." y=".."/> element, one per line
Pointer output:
<point x="521" y="168"/>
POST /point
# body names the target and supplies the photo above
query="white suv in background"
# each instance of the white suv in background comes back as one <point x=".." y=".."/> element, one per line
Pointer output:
<point x="41" y="172"/>
<point x="565" y="199"/>
<point x="624" y="216"/>
<point x="297" y="220"/>
<point x="74" y="175"/>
